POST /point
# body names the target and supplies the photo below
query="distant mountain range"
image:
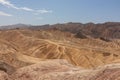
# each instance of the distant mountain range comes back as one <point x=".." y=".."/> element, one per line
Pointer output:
<point x="15" y="26"/>
<point x="108" y="30"/>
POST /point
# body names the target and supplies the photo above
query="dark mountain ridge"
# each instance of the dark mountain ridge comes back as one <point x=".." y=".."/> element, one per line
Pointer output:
<point x="108" y="30"/>
<point x="105" y="31"/>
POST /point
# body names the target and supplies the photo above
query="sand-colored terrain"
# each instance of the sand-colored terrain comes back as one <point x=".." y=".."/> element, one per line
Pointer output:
<point x="61" y="52"/>
<point x="62" y="70"/>
<point x="24" y="47"/>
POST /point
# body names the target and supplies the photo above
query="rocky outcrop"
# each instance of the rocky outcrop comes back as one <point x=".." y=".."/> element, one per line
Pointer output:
<point x="4" y="76"/>
<point x="81" y="35"/>
<point x="6" y="68"/>
<point x="62" y="70"/>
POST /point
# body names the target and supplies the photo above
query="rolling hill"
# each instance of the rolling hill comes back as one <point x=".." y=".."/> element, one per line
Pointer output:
<point x="86" y="46"/>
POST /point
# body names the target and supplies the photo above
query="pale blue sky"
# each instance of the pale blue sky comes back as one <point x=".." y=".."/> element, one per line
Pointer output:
<point x="39" y="12"/>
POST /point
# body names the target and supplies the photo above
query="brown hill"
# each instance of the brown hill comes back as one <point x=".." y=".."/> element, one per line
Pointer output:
<point x="62" y="70"/>
<point x="31" y="53"/>
<point x="24" y="47"/>
<point x="108" y="30"/>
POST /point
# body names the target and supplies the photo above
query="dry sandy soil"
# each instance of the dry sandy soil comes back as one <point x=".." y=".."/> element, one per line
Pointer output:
<point x="25" y="47"/>
<point x="27" y="54"/>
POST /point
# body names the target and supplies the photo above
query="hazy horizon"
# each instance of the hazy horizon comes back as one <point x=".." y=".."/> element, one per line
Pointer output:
<point x="36" y="12"/>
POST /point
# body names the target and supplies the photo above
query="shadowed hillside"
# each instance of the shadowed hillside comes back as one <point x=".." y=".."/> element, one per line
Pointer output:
<point x="109" y="30"/>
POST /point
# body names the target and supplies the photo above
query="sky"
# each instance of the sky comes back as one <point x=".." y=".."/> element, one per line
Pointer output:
<point x="39" y="12"/>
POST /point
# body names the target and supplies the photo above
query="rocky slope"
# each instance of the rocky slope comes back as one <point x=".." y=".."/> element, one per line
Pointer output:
<point x="62" y="70"/>
<point x="108" y="30"/>
<point x="30" y="52"/>
<point x="24" y="47"/>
